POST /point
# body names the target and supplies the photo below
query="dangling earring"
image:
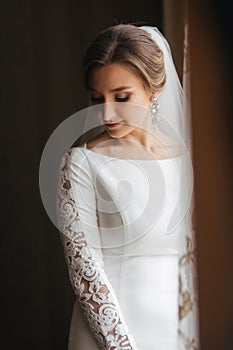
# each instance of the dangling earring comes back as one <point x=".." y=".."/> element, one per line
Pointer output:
<point x="154" y="110"/>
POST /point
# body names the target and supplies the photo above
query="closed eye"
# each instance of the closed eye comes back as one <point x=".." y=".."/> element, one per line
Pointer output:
<point x="101" y="100"/>
<point x="124" y="99"/>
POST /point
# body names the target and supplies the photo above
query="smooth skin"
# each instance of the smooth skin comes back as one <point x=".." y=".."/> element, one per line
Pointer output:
<point x="118" y="82"/>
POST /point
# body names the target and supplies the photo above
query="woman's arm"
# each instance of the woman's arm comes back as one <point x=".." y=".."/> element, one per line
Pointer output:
<point x="78" y="225"/>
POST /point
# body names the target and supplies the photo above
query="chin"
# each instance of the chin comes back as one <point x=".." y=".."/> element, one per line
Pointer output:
<point x="119" y="133"/>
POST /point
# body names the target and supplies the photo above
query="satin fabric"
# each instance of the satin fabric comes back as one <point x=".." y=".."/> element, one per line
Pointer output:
<point x="135" y="201"/>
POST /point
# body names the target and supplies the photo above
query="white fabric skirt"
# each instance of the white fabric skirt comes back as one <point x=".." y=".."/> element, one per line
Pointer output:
<point x="147" y="291"/>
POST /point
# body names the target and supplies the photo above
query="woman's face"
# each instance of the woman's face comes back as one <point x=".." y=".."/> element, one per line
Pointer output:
<point x="122" y="96"/>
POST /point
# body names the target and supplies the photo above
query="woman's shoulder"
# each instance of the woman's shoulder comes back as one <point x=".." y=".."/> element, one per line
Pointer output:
<point x="79" y="151"/>
<point x="97" y="140"/>
<point x="164" y="146"/>
<point x="73" y="157"/>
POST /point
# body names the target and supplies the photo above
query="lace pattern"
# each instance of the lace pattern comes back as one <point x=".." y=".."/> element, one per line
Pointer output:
<point x="88" y="278"/>
<point x="189" y="338"/>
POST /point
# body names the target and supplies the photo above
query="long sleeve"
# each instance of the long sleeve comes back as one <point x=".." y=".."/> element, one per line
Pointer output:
<point x="78" y="226"/>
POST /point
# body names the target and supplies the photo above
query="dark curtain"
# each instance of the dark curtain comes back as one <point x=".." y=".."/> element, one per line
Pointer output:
<point x="42" y="44"/>
<point x="211" y="90"/>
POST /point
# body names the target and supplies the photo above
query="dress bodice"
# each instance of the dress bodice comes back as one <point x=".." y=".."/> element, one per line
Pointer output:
<point x="138" y="204"/>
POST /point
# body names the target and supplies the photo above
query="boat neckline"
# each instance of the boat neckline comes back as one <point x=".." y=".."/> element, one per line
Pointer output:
<point x="128" y="159"/>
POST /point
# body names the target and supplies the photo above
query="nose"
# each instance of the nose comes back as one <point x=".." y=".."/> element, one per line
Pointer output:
<point x="109" y="112"/>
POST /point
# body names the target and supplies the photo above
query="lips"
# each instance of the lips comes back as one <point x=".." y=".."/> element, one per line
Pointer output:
<point x="113" y="125"/>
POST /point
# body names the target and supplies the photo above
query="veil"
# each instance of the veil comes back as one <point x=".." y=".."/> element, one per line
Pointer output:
<point x="175" y="111"/>
<point x="171" y="100"/>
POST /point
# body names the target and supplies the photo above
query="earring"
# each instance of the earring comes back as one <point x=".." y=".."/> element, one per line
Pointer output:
<point x="154" y="110"/>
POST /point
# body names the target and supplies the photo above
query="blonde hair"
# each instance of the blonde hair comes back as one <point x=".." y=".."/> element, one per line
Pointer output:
<point x="130" y="45"/>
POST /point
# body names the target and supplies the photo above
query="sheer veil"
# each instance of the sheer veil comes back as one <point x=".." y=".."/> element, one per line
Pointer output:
<point x="175" y="121"/>
<point x="171" y="100"/>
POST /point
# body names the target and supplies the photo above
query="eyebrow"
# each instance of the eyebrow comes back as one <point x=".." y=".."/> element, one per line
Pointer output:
<point x="114" y="90"/>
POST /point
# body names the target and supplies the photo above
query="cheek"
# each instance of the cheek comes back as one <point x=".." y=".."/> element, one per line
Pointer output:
<point x="132" y="113"/>
<point x="140" y="98"/>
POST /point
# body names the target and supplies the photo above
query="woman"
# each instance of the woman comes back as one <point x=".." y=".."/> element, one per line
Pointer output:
<point x="118" y="194"/>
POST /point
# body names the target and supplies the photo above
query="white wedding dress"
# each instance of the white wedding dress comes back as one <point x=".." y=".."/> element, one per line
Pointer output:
<point x="133" y="280"/>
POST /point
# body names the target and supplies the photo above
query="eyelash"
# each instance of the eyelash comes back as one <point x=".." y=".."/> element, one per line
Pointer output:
<point x="124" y="99"/>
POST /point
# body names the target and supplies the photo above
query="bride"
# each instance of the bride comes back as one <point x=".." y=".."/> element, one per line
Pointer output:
<point x="119" y="191"/>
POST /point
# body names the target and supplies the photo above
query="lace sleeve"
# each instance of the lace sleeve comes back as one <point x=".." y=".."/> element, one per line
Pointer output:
<point x="78" y="226"/>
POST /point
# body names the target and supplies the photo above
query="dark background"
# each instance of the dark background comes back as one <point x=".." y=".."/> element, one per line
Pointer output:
<point x="42" y="44"/>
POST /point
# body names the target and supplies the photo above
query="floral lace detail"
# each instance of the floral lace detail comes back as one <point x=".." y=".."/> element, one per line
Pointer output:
<point x="88" y="279"/>
<point x="188" y="296"/>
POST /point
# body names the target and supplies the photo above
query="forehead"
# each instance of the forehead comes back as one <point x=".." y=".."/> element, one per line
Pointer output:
<point x="112" y="75"/>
